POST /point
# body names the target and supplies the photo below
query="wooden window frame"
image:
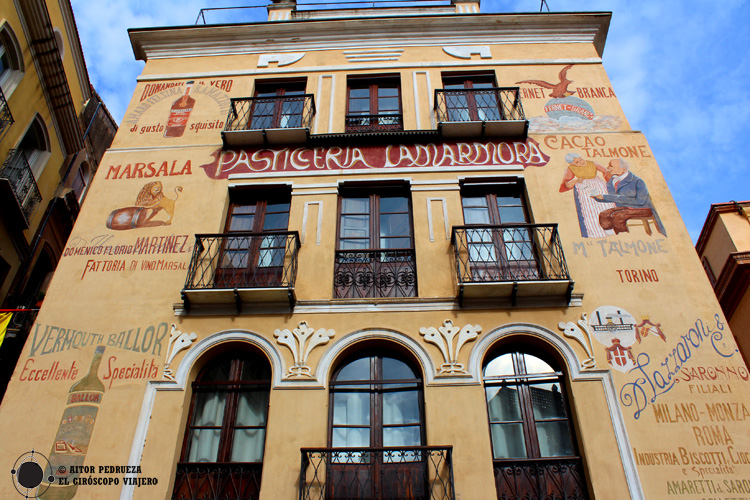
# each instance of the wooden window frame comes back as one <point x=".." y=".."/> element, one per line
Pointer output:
<point x="376" y="394"/>
<point x="467" y="80"/>
<point x="373" y="84"/>
<point x="279" y="88"/>
<point x="233" y="387"/>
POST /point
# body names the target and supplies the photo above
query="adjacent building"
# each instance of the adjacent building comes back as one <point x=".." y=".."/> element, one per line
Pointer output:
<point x="383" y="253"/>
<point x="724" y="250"/>
<point x="54" y="130"/>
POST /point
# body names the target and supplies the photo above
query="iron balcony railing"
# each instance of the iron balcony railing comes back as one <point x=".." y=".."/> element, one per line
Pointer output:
<point x="467" y="105"/>
<point x="421" y="472"/>
<point x="260" y="113"/>
<point x="6" y="118"/>
<point x="244" y="260"/>
<point x="375" y="273"/>
<point x="217" y="481"/>
<point x="508" y="252"/>
<point x="540" y="479"/>
<point x="18" y="172"/>
<point x="374" y="123"/>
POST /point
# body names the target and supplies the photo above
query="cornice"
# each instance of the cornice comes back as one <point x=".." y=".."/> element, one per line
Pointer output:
<point x="321" y="34"/>
<point x="713" y="216"/>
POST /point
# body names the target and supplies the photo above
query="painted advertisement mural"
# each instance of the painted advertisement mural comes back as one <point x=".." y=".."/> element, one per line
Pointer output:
<point x="567" y="107"/>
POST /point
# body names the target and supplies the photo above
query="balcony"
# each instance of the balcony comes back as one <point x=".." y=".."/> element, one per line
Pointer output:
<point x="215" y="481"/>
<point x="424" y="472"/>
<point x="276" y="120"/>
<point x="243" y="267"/>
<point x="6" y="118"/>
<point x="361" y="274"/>
<point x="19" y="194"/>
<point x="510" y="261"/>
<point x="486" y="112"/>
<point x="561" y="479"/>
<point x="356" y="124"/>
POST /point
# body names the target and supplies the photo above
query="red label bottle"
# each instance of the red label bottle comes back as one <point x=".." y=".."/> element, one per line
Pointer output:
<point x="179" y="114"/>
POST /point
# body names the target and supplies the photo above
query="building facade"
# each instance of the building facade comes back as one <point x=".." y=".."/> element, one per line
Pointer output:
<point x="379" y="253"/>
<point x="54" y="130"/>
<point x="724" y="249"/>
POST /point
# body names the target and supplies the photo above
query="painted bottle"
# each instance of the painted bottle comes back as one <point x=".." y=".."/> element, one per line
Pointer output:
<point x="180" y="112"/>
<point x="74" y="432"/>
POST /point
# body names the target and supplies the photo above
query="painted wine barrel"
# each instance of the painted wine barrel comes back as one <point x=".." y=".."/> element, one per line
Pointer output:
<point x="128" y="218"/>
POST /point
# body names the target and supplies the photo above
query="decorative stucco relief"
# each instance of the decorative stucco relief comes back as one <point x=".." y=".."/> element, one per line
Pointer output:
<point x="280" y="59"/>
<point x="178" y="341"/>
<point x="573" y="331"/>
<point x="301" y="341"/>
<point x="466" y="51"/>
<point x="450" y="339"/>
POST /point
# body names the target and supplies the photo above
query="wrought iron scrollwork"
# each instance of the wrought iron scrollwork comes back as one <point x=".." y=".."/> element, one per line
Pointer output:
<point x="375" y="273"/>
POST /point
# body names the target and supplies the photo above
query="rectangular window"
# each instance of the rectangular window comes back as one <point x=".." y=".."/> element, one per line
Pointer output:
<point x="374" y="105"/>
<point x="501" y="242"/>
<point x="254" y="248"/>
<point x="471" y="98"/>
<point x="375" y="244"/>
<point x="278" y="105"/>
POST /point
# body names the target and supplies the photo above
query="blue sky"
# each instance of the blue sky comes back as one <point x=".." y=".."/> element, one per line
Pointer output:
<point x="678" y="68"/>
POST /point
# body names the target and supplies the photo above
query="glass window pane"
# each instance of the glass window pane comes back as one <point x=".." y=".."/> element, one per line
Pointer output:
<point x="247" y="445"/>
<point x="388" y="91"/>
<point x="508" y="441"/>
<point x="401" y="436"/>
<point x="355" y="226"/>
<point x="501" y="365"/>
<point x="503" y="403"/>
<point x="217" y="371"/>
<point x="351" y="408"/>
<point x="511" y="214"/>
<point x="359" y="92"/>
<point x="395" y="225"/>
<point x="255" y="369"/>
<point x="359" y="369"/>
<point x="395" y="204"/>
<point x="251" y="409"/>
<point x="547" y="401"/>
<point x="400" y="407"/>
<point x="554" y="439"/>
<point x="355" y="205"/>
<point x="277" y="207"/>
<point x="276" y="221"/>
<point x="242" y="223"/>
<point x="243" y="209"/>
<point x="388" y="105"/>
<point x="354" y="244"/>
<point x="478" y="215"/>
<point x="204" y="445"/>
<point x="394" y="369"/>
<point x="348" y="437"/>
<point x="389" y="243"/>
<point x="536" y="365"/>
<point x="474" y="201"/>
<point x="209" y="409"/>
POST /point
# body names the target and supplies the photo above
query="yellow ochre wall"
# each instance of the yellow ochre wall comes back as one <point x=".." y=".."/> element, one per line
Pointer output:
<point x="678" y="414"/>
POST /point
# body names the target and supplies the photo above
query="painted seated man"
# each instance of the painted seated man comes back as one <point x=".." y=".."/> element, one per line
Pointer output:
<point x="630" y="195"/>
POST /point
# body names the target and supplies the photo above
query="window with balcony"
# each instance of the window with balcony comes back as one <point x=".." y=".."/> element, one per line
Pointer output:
<point x="35" y="146"/>
<point x="473" y="105"/>
<point x="376" y="427"/>
<point x="374" y="105"/>
<point x="278" y="105"/>
<point x="375" y="244"/>
<point x="498" y="236"/>
<point x="222" y="454"/>
<point x="533" y="448"/>
<point x="471" y="98"/>
<point x="254" y="247"/>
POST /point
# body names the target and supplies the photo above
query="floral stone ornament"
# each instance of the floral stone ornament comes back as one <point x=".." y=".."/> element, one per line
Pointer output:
<point x="450" y="339"/>
<point x="301" y="341"/>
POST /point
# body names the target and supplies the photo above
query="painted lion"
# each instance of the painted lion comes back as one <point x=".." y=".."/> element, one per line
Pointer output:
<point x="152" y="196"/>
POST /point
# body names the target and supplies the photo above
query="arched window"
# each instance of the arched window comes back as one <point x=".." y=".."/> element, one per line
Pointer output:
<point x="533" y="448"/>
<point x="81" y="180"/>
<point x="222" y="455"/>
<point x="376" y="427"/>
<point x="11" y="61"/>
<point x="35" y="146"/>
